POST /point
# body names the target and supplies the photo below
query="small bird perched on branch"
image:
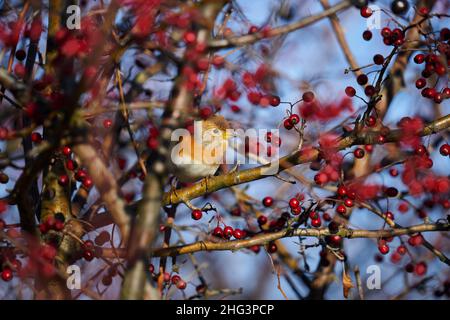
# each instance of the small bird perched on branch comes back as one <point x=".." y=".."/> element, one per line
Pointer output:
<point x="199" y="155"/>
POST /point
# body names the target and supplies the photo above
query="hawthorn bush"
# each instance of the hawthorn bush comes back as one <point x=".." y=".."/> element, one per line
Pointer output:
<point x="359" y="92"/>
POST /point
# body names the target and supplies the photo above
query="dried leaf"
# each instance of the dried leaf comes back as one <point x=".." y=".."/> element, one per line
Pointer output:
<point x="346" y="283"/>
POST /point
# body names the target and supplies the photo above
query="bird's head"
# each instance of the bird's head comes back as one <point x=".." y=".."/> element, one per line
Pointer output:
<point x="217" y="127"/>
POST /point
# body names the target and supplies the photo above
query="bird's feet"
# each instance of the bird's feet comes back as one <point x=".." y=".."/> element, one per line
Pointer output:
<point x="235" y="168"/>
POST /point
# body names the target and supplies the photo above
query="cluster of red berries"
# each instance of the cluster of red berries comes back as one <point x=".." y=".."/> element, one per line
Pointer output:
<point x="315" y="219"/>
<point x="291" y="121"/>
<point x="107" y="279"/>
<point x="227" y="232"/>
<point x="275" y="224"/>
<point x="8" y="264"/>
<point x="445" y="150"/>
<point x="420" y="268"/>
<point x="395" y="37"/>
<point x="176" y="280"/>
<point x="55" y="223"/>
<point x="348" y="197"/>
<point x="81" y="175"/>
<point x="152" y="139"/>
<point x="295" y="207"/>
<point x="88" y="250"/>
<point x="196" y="214"/>
<point x="432" y="65"/>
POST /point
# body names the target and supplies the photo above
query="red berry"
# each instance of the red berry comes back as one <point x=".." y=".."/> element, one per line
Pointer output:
<point x="42" y="228"/>
<point x="421" y="83"/>
<point x="370" y="91"/>
<point x="267" y="201"/>
<point x="391" y="192"/>
<point x="175" y="278"/>
<point x="341" y="209"/>
<point x="287" y="124"/>
<point x="238" y="233"/>
<point x="88" y="255"/>
<point x="350" y="91"/>
<point x="359" y="153"/>
<point x="294" y="118"/>
<point x="218" y="61"/>
<point x="419" y="58"/>
<point x="253" y="29"/>
<point x="236" y="212"/>
<point x="67" y="151"/>
<point x="87" y="182"/>
<point x="189" y="37"/>
<point x="342" y="191"/>
<point x="444" y="150"/>
<point x="274" y="101"/>
<point x="196" y="214"/>
<point x="296" y="211"/>
<point x="378" y="59"/>
<point x="262" y="220"/>
<point x="7" y="274"/>
<point x="401" y="250"/>
<point x="36" y="137"/>
<point x="313" y="215"/>
<point x="415" y="240"/>
<point x="70" y="165"/>
<point x="107" y="123"/>
<point x="63" y="180"/>
<point x="386" y="32"/>
<point x="389" y="215"/>
<point x="383" y="248"/>
<point x="321" y="178"/>
<point x="334" y="240"/>
<point x="294" y="203"/>
<point x="107" y="280"/>
<point x="59" y="225"/>
<point x="420" y="269"/>
<point x="371" y="121"/>
<point x="272" y="247"/>
<point x="421" y="150"/>
<point x="367" y="35"/>
<point x="362" y="79"/>
<point x="333" y="226"/>
<point x="348" y="202"/>
<point x="228" y="232"/>
<point x="366" y="12"/>
<point x="88" y="244"/>
<point x="308" y="96"/>
<point x="446" y="92"/>
<point x="102" y="238"/>
<point x="21" y="55"/>
<point x="218" y="232"/>
<point x="424" y="11"/>
<point x="80" y="175"/>
<point x="438" y="98"/>
<point x="181" y="285"/>
<point x="409" y="268"/>
<point x="316" y="223"/>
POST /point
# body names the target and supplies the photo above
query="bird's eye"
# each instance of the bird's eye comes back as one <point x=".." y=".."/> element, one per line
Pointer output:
<point x="216" y="131"/>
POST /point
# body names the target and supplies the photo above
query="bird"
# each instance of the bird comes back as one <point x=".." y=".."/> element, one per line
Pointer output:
<point x="197" y="156"/>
